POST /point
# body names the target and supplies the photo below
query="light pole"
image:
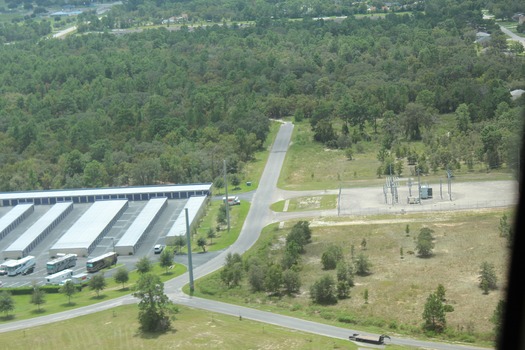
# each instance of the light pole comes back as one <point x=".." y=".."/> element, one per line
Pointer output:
<point x="226" y="202"/>
<point x="188" y="243"/>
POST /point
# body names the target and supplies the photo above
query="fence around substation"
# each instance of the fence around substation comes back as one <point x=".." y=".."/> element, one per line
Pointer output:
<point x="428" y="207"/>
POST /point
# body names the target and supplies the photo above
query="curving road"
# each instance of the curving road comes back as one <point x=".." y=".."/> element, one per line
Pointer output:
<point x="258" y="217"/>
<point x="513" y="36"/>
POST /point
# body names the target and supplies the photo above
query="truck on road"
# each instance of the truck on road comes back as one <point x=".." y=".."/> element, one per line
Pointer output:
<point x="371" y="339"/>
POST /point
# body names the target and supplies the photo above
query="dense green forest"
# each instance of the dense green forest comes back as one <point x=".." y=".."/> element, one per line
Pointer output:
<point x="167" y="106"/>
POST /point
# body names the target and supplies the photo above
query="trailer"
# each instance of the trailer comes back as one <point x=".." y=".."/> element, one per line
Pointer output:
<point x="21" y="266"/>
<point x="62" y="262"/>
<point x="232" y="200"/>
<point x="371" y="339"/>
<point x="59" y="277"/>
<point x="80" y="278"/>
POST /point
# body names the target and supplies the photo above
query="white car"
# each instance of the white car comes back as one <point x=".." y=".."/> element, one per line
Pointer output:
<point x="158" y="248"/>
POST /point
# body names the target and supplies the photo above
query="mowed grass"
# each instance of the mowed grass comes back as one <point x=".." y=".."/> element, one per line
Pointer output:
<point x="306" y="203"/>
<point x="400" y="281"/>
<point x="58" y="302"/>
<point x="193" y="329"/>
<point x="223" y="238"/>
<point x="311" y="166"/>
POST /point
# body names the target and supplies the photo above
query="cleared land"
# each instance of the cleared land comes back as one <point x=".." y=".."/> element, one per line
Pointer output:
<point x="399" y="283"/>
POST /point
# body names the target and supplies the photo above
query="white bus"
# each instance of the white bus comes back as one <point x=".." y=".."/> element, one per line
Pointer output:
<point x="60" y="263"/>
<point x="21" y="266"/>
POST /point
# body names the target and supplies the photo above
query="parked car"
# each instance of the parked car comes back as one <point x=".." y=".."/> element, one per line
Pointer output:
<point x="158" y="248"/>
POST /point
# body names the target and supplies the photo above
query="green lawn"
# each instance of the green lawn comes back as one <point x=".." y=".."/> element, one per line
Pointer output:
<point x="306" y="203"/>
<point x="57" y="302"/>
<point x="192" y="329"/>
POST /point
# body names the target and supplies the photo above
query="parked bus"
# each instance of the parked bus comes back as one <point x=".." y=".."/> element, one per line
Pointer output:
<point x="61" y="263"/>
<point x="59" y="277"/>
<point x="100" y="262"/>
<point x="21" y="266"/>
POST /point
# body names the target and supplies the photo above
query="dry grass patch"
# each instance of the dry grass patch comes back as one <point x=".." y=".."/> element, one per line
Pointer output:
<point x="399" y="284"/>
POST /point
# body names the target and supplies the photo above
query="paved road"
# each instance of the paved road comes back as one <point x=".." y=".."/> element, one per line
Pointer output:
<point x="258" y="217"/>
<point x="513" y="36"/>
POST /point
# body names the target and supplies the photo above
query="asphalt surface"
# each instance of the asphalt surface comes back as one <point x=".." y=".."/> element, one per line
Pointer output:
<point x="258" y="217"/>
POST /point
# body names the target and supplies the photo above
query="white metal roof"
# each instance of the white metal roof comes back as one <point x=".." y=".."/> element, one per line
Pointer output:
<point x="142" y="222"/>
<point x="38" y="227"/>
<point x="179" y="227"/>
<point x="90" y="225"/>
<point x="14" y="214"/>
<point x="105" y="191"/>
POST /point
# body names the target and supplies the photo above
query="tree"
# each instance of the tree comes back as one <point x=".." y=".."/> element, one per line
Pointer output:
<point x="144" y="265"/>
<point x="121" y="276"/>
<point x="434" y="311"/>
<point x="487" y="279"/>
<point x="414" y="118"/>
<point x="38" y="297"/>
<point x="256" y="276"/>
<point x="97" y="283"/>
<point x="424" y="243"/>
<point x="231" y="274"/>
<point x="201" y="242"/>
<point x="291" y="281"/>
<point x="166" y="258"/>
<point x="362" y="265"/>
<point x="155" y="308"/>
<point x="211" y="234"/>
<point x="273" y="279"/>
<point x="7" y="303"/>
<point x="463" y="118"/>
<point x="68" y="289"/>
<point x="323" y="291"/>
<point x="330" y="257"/>
<point x="180" y="241"/>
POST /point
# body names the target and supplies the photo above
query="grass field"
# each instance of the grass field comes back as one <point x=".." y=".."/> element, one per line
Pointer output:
<point x="399" y="283"/>
<point x="306" y="203"/>
<point x="193" y="329"/>
<point x="329" y="168"/>
<point x="57" y="302"/>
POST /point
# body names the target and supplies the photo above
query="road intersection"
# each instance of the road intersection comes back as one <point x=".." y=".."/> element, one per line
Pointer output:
<point x="258" y="217"/>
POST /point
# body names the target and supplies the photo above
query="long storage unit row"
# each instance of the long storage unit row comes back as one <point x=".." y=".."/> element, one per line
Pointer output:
<point x="137" y="232"/>
<point x="142" y="193"/>
<point x="195" y="206"/>
<point x="15" y="216"/>
<point x="38" y="231"/>
<point x="90" y="228"/>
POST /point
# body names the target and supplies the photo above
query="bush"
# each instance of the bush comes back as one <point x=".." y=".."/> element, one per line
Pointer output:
<point x="347" y="319"/>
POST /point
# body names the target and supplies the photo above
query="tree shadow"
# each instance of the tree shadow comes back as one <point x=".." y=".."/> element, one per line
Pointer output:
<point x="154" y="335"/>
<point x="169" y="273"/>
<point x="124" y="289"/>
<point x="7" y="317"/>
<point x="99" y="297"/>
<point x="38" y="311"/>
<point x="68" y="304"/>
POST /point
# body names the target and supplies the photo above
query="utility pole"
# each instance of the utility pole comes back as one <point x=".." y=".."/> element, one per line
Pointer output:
<point x="226" y="202"/>
<point x="339" y="201"/>
<point x="188" y="243"/>
<point x="449" y="178"/>
<point x="419" y="185"/>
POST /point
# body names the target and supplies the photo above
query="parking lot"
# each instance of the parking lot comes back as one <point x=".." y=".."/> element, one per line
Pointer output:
<point x="41" y="251"/>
